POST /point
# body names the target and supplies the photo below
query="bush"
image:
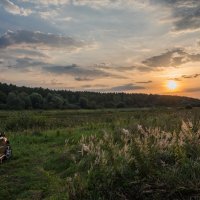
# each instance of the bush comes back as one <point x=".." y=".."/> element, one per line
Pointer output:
<point x="23" y="121"/>
<point x="188" y="107"/>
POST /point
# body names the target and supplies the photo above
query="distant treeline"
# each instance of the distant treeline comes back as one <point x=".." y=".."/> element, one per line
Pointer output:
<point x="13" y="97"/>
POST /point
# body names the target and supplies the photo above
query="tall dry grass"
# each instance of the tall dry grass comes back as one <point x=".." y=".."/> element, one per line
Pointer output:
<point x="142" y="164"/>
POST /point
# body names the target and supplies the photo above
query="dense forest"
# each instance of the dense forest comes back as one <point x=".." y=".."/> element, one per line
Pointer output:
<point x="13" y="97"/>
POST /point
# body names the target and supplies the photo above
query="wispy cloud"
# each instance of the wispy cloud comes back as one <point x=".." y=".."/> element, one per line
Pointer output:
<point x="26" y="63"/>
<point x="38" y="39"/>
<point x="119" y="88"/>
<point x="126" y="87"/>
<point x="83" y="79"/>
<point x="185" y="13"/>
<point x="197" y="89"/>
<point x="48" y="2"/>
<point x="79" y="73"/>
<point x="191" y="76"/>
<point x="14" y="9"/>
<point x="110" y="66"/>
<point x="144" y="82"/>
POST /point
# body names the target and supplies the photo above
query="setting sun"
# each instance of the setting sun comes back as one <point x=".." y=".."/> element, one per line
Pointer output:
<point x="171" y="85"/>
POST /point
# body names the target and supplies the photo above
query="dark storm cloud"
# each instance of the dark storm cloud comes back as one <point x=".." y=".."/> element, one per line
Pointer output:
<point x="35" y="39"/>
<point x="126" y="87"/>
<point x="80" y="73"/>
<point x="172" y="58"/>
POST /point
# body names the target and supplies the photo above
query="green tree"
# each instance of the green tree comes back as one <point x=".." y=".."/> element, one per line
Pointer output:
<point x="2" y="97"/>
<point x="121" y="105"/>
<point x="26" y="99"/>
<point x="83" y="102"/>
<point x="14" y="102"/>
<point x="57" y="101"/>
<point x="36" y="100"/>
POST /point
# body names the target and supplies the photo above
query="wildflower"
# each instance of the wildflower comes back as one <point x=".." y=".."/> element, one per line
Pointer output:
<point x="125" y="132"/>
<point x="85" y="148"/>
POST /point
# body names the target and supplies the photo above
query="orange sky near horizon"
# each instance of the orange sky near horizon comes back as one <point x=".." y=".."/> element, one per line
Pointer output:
<point x="128" y="46"/>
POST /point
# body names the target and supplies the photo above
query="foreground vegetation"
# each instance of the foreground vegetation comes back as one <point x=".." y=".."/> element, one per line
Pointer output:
<point x="102" y="154"/>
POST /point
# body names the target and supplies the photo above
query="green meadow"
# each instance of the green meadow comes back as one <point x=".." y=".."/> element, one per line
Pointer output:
<point x="102" y="154"/>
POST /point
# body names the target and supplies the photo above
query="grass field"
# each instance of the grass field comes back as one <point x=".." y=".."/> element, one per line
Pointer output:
<point x="102" y="154"/>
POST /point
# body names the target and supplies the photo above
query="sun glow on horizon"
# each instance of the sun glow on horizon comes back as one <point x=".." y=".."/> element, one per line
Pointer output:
<point x="172" y="85"/>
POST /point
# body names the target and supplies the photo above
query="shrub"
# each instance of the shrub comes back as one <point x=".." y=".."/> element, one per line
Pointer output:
<point x="23" y="121"/>
<point x="188" y="107"/>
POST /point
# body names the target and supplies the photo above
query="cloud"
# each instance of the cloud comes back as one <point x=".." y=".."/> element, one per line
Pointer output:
<point x="114" y="67"/>
<point x="126" y="87"/>
<point x="14" y="9"/>
<point x="124" y="68"/>
<point x="186" y="14"/>
<point x="97" y="3"/>
<point x="185" y="77"/>
<point x="83" y="79"/>
<point x="54" y="16"/>
<point x="116" y="4"/>
<point x="191" y="76"/>
<point x="175" y="79"/>
<point x="144" y="82"/>
<point x="143" y="68"/>
<point x="197" y="89"/>
<point x="105" y="88"/>
<point x="183" y="14"/>
<point x="55" y="82"/>
<point x="79" y="73"/>
<point x="94" y="86"/>
<point x="172" y="58"/>
<point x="25" y="64"/>
<point x="38" y="39"/>
<point x="48" y="2"/>
<point x="167" y="59"/>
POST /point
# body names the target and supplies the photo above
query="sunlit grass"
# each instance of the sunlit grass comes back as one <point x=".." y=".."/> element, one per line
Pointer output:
<point x="146" y="154"/>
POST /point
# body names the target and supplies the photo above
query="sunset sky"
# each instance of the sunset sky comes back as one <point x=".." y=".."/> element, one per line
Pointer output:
<point x="139" y="46"/>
